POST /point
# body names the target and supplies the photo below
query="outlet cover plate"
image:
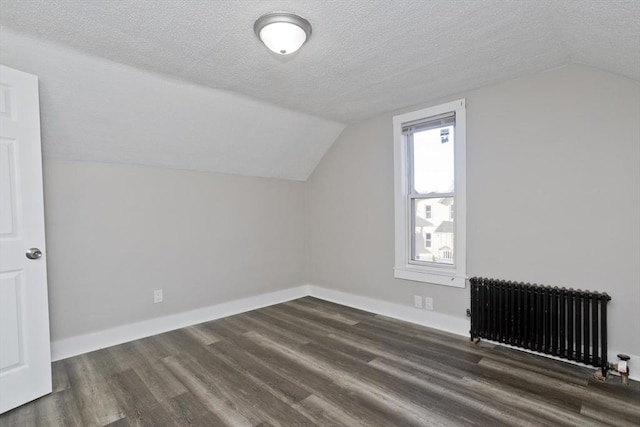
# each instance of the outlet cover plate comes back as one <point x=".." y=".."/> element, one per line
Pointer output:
<point x="428" y="303"/>
<point x="157" y="296"/>
<point x="417" y="301"/>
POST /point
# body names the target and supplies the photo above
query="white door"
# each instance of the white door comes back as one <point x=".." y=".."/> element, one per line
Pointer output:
<point x="25" y="353"/>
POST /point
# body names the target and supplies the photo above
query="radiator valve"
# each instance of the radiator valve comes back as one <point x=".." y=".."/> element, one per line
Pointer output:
<point x="622" y="367"/>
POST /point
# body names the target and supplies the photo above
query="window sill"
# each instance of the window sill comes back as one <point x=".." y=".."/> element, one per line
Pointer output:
<point x="445" y="278"/>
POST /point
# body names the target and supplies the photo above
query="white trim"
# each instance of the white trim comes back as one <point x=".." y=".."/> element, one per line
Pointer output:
<point x="441" y="275"/>
<point x="419" y="275"/>
<point x="443" y="322"/>
<point x="431" y="319"/>
<point x="80" y="344"/>
<point x="73" y="346"/>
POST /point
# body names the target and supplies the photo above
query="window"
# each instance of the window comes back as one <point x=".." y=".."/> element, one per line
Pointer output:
<point x="429" y="150"/>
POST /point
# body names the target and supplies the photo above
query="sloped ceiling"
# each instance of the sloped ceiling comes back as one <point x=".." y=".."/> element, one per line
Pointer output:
<point x="364" y="57"/>
<point x="92" y="109"/>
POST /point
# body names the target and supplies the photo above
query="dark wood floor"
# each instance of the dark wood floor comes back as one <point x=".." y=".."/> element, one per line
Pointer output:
<point x="309" y="362"/>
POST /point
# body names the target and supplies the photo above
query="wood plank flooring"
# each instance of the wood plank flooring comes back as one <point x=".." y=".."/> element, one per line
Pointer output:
<point x="309" y="362"/>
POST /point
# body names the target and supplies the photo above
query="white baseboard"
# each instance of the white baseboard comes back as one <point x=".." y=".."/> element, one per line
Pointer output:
<point x="80" y="344"/>
<point x="94" y="341"/>
<point x="432" y="319"/>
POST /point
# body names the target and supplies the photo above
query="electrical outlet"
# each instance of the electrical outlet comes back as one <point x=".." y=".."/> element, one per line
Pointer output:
<point x="157" y="296"/>
<point x="417" y="301"/>
<point x="428" y="303"/>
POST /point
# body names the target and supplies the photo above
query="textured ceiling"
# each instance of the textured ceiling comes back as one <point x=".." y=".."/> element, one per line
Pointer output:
<point x="364" y="57"/>
<point x="186" y="83"/>
<point x="92" y="109"/>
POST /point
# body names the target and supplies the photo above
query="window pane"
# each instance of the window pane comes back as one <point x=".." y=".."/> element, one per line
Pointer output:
<point x="434" y="237"/>
<point x="433" y="160"/>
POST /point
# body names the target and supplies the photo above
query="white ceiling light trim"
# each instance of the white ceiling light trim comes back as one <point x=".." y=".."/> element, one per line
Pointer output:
<point x="282" y="32"/>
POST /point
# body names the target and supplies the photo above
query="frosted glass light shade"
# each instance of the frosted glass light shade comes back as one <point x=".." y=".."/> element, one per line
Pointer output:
<point x="282" y="33"/>
<point x="283" y="38"/>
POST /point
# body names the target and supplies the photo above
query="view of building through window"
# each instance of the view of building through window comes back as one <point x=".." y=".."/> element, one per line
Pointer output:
<point x="433" y="184"/>
<point x="434" y="237"/>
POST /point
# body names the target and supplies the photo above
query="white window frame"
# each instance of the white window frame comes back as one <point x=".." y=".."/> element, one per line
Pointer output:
<point x="448" y="275"/>
<point x="427" y="240"/>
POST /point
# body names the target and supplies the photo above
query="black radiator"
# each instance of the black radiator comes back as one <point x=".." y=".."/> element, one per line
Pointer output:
<point x="571" y="324"/>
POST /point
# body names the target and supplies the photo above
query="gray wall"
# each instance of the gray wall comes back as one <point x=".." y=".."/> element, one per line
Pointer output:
<point x="553" y="196"/>
<point x="115" y="233"/>
<point x="553" y="184"/>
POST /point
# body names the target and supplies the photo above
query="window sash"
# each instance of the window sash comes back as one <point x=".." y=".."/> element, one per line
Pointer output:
<point x="433" y="122"/>
<point x="443" y="120"/>
<point x="408" y="130"/>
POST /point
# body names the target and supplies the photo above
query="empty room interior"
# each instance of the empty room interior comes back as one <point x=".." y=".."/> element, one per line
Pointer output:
<point x="319" y="213"/>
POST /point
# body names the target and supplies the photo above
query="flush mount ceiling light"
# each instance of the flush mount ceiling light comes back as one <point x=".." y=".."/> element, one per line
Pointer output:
<point x="282" y="32"/>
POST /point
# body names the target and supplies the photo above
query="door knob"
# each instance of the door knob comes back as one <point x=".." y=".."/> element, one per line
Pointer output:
<point x="34" y="253"/>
